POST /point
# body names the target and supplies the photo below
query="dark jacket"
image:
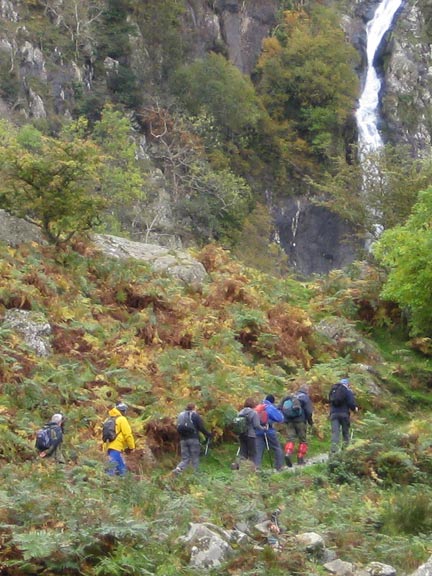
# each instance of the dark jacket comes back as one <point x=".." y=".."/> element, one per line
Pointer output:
<point x="199" y="427"/>
<point x="252" y="420"/>
<point x="348" y="406"/>
<point x="56" y="434"/>
<point x="306" y="404"/>
<point x="274" y="415"/>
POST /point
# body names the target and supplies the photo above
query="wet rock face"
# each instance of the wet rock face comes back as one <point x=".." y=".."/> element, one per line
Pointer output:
<point x="315" y="239"/>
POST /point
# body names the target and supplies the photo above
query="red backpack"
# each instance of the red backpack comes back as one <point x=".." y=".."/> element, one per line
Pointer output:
<point x="262" y="413"/>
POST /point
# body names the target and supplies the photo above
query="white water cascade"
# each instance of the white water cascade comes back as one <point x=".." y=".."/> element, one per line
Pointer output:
<point x="367" y="112"/>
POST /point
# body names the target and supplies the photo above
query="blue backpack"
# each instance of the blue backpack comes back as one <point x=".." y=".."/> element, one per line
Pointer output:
<point x="292" y="408"/>
<point x="43" y="439"/>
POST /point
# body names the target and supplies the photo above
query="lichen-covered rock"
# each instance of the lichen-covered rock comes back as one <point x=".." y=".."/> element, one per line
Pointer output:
<point x="425" y="569"/>
<point x="312" y="543"/>
<point x="32" y="326"/>
<point x="176" y="263"/>
<point x="380" y="569"/>
<point x="16" y="231"/>
<point x="339" y="567"/>
<point x="208" y="546"/>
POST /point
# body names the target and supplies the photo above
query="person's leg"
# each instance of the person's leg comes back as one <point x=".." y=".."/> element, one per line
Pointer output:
<point x="289" y="446"/>
<point x="251" y="448"/>
<point x="244" y="453"/>
<point x="185" y="456"/>
<point x="303" y="447"/>
<point x="260" y="446"/>
<point x="194" y="451"/>
<point x="334" y="435"/>
<point x="116" y="463"/>
<point x="345" y="423"/>
<point x="274" y="445"/>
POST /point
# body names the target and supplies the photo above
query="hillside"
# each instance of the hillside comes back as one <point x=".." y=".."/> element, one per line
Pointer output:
<point x="116" y="330"/>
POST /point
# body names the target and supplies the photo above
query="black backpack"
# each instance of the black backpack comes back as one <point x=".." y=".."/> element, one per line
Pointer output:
<point x="338" y="395"/>
<point x="44" y="439"/>
<point x="292" y="408"/>
<point x="240" y="424"/>
<point x="185" y="425"/>
<point x="109" y="429"/>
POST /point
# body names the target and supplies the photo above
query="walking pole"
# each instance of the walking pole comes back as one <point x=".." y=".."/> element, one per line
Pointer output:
<point x="206" y="449"/>
<point x="268" y="449"/>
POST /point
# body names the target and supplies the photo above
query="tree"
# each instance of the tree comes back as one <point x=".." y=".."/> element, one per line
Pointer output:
<point x="215" y="85"/>
<point x="405" y="250"/>
<point x="307" y="78"/>
<point x="50" y="182"/>
<point x="123" y="182"/>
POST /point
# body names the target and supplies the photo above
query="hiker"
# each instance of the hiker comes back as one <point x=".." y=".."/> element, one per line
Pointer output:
<point x="297" y="409"/>
<point x="55" y="430"/>
<point x="123" y="440"/>
<point x="247" y="439"/>
<point x="266" y="439"/>
<point x="342" y="402"/>
<point x="189" y="426"/>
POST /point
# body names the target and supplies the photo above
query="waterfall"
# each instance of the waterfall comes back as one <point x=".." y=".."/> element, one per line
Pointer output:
<point x="367" y="112"/>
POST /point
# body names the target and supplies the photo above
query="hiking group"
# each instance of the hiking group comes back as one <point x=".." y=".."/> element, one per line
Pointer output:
<point x="254" y="426"/>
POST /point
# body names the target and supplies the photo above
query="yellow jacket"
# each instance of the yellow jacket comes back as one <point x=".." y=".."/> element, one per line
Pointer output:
<point x="124" y="438"/>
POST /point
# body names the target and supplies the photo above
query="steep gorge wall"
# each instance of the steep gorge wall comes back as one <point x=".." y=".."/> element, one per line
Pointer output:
<point x="39" y="79"/>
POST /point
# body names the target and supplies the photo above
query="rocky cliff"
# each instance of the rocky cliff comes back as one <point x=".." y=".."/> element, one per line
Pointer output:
<point x="57" y="60"/>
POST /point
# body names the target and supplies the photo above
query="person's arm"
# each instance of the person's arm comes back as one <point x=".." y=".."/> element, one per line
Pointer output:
<point x="308" y="408"/>
<point x="255" y="421"/>
<point x="199" y="424"/>
<point x="274" y="414"/>
<point x="126" y="430"/>
<point x="351" y="402"/>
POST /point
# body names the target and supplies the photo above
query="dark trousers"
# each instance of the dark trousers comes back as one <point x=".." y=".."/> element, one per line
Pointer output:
<point x="339" y="423"/>
<point x="248" y="448"/>
<point x="271" y="442"/>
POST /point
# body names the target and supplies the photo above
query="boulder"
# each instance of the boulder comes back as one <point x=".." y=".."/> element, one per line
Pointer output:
<point x="312" y="543"/>
<point x="176" y="263"/>
<point x="379" y="569"/>
<point x="339" y="567"/>
<point x="16" y="231"/>
<point x="32" y="326"/>
<point x="425" y="569"/>
<point x="208" y="546"/>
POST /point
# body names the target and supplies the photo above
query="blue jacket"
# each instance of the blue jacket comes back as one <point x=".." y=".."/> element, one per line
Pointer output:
<point x="344" y="410"/>
<point x="274" y="415"/>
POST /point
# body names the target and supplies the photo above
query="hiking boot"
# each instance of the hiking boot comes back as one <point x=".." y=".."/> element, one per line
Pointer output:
<point x="300" y="461"/>
<point x="288" y="460"/>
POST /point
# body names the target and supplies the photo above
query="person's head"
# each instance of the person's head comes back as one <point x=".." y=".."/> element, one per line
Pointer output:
<point x="122" y="407"/>
<point x="270" y="398"/>
<point x="190" y="407"/>
<point x="304" y="388"/>
<point x="57" y="419"/>
<point x="250" y="403"/>
<point x="345" y="382"/>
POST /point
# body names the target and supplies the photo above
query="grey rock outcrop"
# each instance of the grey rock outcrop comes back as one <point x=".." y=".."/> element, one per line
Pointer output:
<point x="208" y="546"/>
<point x="32" y="326"/>
<point x="380" y="569"/>
<point x="176" y="263"/>
<point x="16" y="231"/>
<point x="347" y="339"/>
<point x="425" y="569"/>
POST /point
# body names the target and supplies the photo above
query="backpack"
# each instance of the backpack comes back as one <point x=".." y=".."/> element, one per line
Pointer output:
<point x="185" y="425"/>
<point x="262" y="413"/>
<point x="43" y="439"/>
<point x="338" y="394"/>
<point x="109" y="429"/>
<point x="240" y="424"/>
<point x="292" y="408"/>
